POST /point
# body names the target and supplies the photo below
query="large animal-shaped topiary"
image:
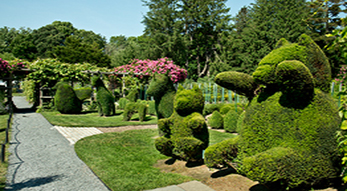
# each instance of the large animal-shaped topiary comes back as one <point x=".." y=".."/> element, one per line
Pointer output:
<point x="104" y="98"/>
<point x="289" y="127"/>
<point x="162" y="89"/>
<point x="65" y="99"/>
<point x="185" y="133"/>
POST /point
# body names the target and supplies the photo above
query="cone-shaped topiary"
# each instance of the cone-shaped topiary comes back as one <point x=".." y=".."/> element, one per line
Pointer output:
<point x="185" y="133"/>
<point x="216" y="120"/>
<point x="65" y="99"/>
<point x="104" y="98"/>
<point x="288" y="131"/>
<point x="230" y="121"/>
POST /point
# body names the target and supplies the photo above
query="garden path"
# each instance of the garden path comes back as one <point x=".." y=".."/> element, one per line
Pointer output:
<point x="42" y="159"/>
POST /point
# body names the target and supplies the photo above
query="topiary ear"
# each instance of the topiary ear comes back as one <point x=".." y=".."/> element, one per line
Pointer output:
<point x="281" y="42"/>
<point x="305" y="40"/>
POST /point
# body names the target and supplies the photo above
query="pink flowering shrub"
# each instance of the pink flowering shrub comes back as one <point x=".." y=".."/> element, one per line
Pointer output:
<point x="341" y="76"/>
<point x="6" y="67"/>
<point x="150" y="67"/>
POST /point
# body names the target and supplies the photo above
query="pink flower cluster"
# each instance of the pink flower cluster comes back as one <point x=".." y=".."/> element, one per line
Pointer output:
<point x="342" y="74"/>
<point x="6" y="67"/>
<point x="150" y="67"/>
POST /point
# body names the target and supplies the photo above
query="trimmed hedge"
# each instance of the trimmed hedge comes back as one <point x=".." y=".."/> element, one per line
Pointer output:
<point x="184" y="135"/>
<point x="230" y="121"/>
<point x="104" y="98"/>
<point x="122" y="102"/>
<point x="162" y="89"/>
<point x="84" y="93"/>
<point x="129" y="110"/>
<point x="216" y="120"/>
<point x="221" y="154"/>
<point x="65" y="99"/>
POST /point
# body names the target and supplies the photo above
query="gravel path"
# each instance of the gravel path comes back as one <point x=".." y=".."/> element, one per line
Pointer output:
<point x="42" y="159"/>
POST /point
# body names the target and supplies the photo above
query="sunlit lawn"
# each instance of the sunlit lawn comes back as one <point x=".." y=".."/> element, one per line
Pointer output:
<point x="3" y="166"/>
<point x="94" y="120"/>
<point x="124" y="161"/>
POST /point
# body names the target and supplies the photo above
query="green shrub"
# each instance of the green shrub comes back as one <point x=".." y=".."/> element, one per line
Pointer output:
<point x="224" y="109"/>
<point x="216" y="120"/>
<point x="129" y="110"/>
<point x="162" y="89"/>
<point x="184" y="135"/>
<point x="230" y="121"/>
<point x="84" y="93"/>
<point x="2" y="101"/>
<point x="142" y="109"/>
<point x="122" y="102"/>
<point x="133" y="95"/>
<point x="210" y="108"/>
<point x="239" y="122"/>
<point x="151" y="108"/>
<point x="104" y="98"/>
<point x="65" y="99"/>
<point x="221" y="154"/>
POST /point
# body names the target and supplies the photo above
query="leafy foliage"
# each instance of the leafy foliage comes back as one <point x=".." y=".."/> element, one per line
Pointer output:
<point x="216" y="120"/>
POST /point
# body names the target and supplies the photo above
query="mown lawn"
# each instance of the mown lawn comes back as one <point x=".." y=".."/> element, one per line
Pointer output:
<point x="93" y="120"/>
<point x="3" y="166"/>
<point x="124" y="161"/>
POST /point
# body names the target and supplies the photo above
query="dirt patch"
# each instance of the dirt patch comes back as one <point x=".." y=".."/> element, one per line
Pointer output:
<point x="219" y="180"/>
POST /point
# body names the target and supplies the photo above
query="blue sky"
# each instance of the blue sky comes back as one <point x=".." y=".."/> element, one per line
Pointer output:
<point x="105" y="17"/>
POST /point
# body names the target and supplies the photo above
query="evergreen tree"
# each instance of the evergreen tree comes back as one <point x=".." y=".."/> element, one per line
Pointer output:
<point x="326" y="17"/>
<point x="186" y="31"/>
<point x="268" y="21"/>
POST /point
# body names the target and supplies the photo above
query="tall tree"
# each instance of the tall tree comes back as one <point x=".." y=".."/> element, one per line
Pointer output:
<point x="76" y="51"/>
<point x="22" y="45"/>
<point x="324" y="19"/>
<point x="6" y="37"/>
<point x="187" y="31"/>
<point x="268" y="22"/>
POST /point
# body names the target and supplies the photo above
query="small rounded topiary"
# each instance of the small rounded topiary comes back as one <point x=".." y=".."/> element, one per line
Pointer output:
<point x="216" y="120"/>
<point x="129" y="110"/>
<point x="184" y="135"/>
<point x="230" y="121"/>
<point x="65" y="99"/>
<point x="142" y="109"/>
<point x="84" y="93"/>
<point x="226" y="108"/>
<point x="151" y="108"/>
<point x="210" y="108"/>
<point x="122" y="102"/>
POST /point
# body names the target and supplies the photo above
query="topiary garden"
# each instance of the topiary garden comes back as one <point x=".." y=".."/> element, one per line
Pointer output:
<point x="288" y="132"/>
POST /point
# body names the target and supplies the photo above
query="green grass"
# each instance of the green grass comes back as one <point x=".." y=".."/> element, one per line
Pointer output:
<point x="124" y="161"/>
<point x="3" y="166"/>
<point x="93" y="120"/>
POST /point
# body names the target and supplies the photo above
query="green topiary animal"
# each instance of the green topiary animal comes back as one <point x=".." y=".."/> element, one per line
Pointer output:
<point x="65" y="99"/>
<point x="185" y="133"/>
<point x="162" y="89"/>
<point x="104" y="98"/>
<point x="287" y="135"/>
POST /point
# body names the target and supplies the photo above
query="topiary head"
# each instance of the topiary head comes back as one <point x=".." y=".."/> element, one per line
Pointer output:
<point x="96" y="81"/>
<point x="306" y="51"/>
<point x="159" y="85"/>
<point x="188" y="101"/>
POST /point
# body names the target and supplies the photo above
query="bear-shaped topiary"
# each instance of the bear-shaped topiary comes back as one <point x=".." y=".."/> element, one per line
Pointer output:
<point x="163" y="91"/>
<point x="288" y="132"/>
<point x="65" y="99"/>
<point x="185" y="133"/>
<point x="104" y="98"/>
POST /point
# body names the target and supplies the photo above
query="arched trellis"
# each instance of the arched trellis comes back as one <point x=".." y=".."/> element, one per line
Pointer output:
<point x="121" y="75"/>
